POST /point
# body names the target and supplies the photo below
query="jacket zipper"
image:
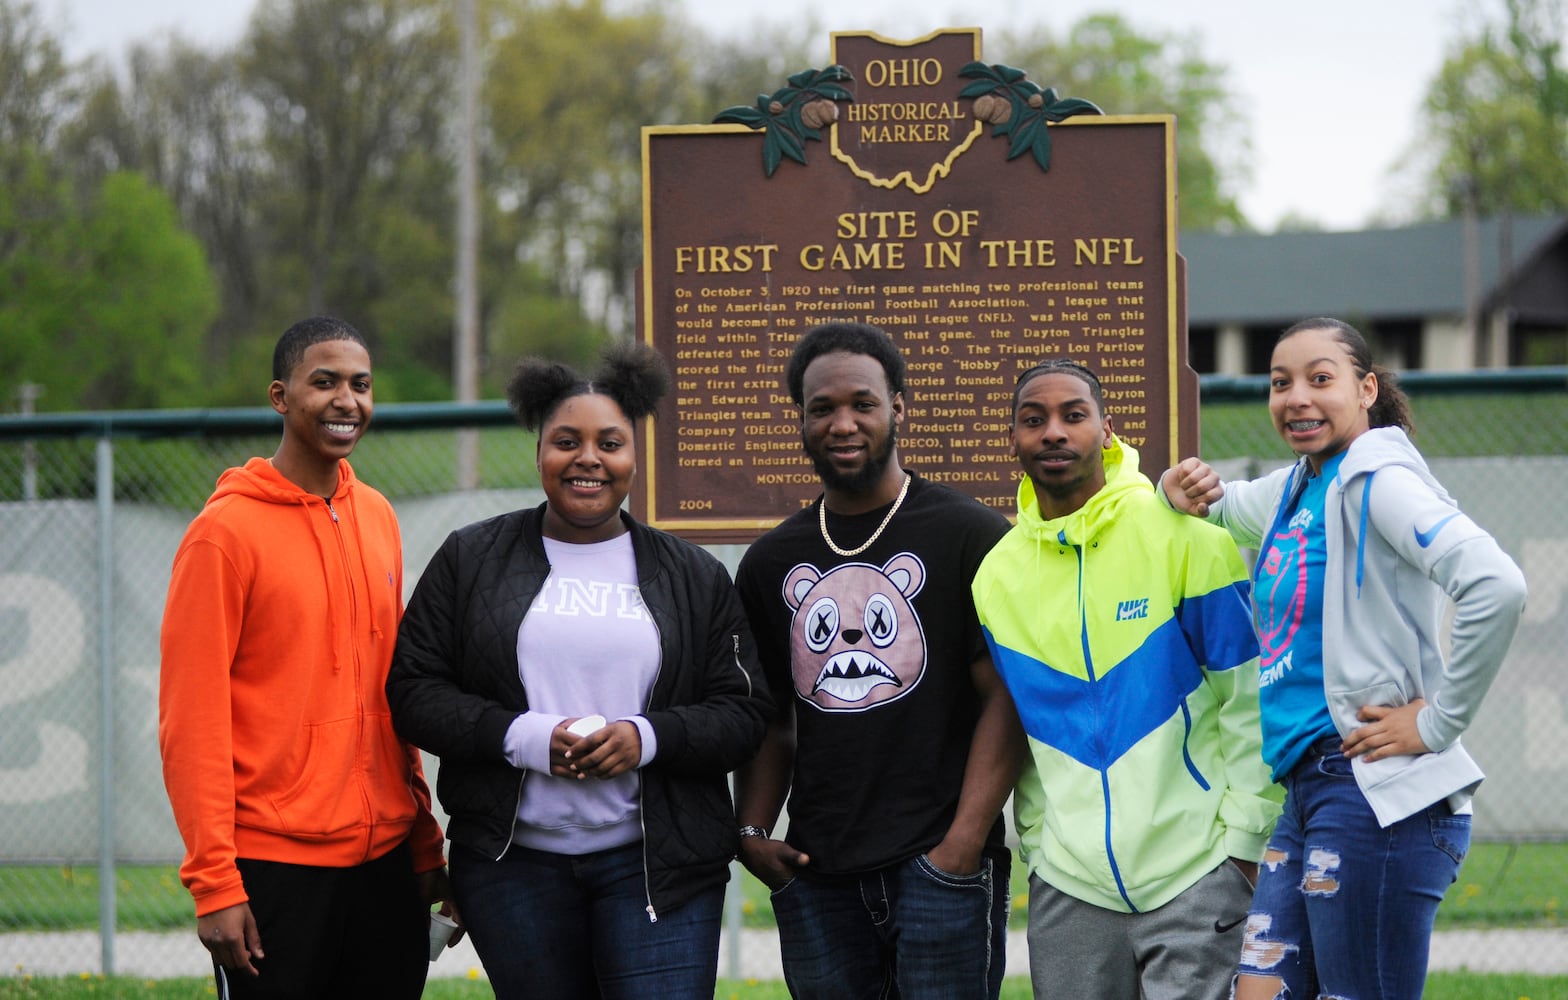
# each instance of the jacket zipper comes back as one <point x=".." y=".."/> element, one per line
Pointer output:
<point x="517" y="804"/>
<point x="511" y="830"/>
<point x="1088" y="662"/>
<point x="353" y="611"/>
<point x="735" y="641"/>
<point x="642" y="785"/>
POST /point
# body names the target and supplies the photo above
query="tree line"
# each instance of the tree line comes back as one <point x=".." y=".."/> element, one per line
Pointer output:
<point x="163" y="216"/>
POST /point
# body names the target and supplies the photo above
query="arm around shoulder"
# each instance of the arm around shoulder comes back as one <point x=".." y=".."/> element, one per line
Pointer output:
<point x="1245" y="506"/>
<point x="1190" y="487"/>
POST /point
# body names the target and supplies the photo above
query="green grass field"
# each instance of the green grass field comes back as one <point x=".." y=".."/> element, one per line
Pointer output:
<point x="1501" y="885"/>
<point x="1508" y="885"/>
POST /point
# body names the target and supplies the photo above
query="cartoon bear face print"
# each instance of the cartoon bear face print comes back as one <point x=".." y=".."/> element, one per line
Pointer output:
<point x="855" y="640"/>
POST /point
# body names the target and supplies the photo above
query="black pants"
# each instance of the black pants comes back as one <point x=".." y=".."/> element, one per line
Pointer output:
<point x="335" y="932"/>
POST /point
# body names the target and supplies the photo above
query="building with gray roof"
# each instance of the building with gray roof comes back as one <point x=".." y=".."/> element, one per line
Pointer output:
<point x="1441" y="296"/>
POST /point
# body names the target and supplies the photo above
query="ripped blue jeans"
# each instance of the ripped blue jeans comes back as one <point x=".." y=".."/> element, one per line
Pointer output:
<point x="1344" y="907"/>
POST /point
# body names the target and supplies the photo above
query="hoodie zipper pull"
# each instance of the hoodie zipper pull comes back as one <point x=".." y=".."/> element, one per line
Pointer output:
<point x="331" y="510"/>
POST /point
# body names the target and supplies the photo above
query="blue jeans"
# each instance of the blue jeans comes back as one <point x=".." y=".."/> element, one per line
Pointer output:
<point x="1343" y="906"/>
<point x="908" y="930"/>
<point x="561" y="925"/>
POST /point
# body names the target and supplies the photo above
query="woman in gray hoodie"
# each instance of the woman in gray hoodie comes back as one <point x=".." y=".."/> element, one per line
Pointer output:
<point x="1360" y="551"/>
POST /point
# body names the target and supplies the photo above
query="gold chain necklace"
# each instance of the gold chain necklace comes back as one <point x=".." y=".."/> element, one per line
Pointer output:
<point x="822" y="522"/>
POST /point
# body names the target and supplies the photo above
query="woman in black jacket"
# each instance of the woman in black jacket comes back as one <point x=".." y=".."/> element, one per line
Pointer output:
<point x="587" y="683"/>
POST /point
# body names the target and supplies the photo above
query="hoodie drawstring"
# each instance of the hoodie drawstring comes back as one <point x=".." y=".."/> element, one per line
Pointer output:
<point x="1361" y="539"/>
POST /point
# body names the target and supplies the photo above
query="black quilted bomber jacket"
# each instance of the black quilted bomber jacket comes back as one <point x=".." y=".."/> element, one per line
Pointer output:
<point x="454" y="690"/>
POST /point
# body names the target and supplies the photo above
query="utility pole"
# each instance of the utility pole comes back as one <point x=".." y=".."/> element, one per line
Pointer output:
<point x="465" y="348"/>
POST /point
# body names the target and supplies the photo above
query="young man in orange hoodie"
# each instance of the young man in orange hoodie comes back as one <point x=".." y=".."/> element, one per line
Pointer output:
<point x="310" y="847"/>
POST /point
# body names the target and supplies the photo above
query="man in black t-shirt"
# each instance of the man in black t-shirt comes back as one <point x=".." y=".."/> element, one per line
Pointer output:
<point x="901" y="744"/>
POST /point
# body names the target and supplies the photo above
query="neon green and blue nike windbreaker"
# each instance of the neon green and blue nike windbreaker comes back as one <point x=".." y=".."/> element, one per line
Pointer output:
<point x="1124" y="633"/>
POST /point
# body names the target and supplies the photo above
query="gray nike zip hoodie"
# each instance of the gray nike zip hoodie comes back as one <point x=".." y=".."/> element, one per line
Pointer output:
<point x="1399" y="548"/>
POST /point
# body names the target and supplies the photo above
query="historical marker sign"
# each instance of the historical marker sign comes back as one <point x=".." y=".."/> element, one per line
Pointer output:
<point x="983" y="222"/>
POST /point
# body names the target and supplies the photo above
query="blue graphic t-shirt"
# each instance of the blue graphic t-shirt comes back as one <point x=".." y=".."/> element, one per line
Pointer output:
<point x="1289" y="603"/>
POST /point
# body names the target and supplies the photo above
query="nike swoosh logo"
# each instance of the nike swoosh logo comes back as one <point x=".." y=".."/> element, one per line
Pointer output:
<point x="1427" y="537"/>
<point x="1220" y="928"/>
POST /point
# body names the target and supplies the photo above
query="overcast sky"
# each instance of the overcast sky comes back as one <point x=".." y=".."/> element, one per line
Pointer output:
<point x="1331" y="88"/>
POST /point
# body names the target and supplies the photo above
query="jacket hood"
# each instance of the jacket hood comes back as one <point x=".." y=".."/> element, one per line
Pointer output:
<point x="1377" y="449"/>
<point x="1085" y="524"/>
<point x="1382" y="448"/>
<point x="258" y="480"/>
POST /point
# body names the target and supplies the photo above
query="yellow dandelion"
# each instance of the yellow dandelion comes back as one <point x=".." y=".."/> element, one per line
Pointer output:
<point x="473" y="973"/>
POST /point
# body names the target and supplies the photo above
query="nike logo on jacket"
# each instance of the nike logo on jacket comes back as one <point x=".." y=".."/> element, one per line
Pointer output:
<point x="1427" y="537"/>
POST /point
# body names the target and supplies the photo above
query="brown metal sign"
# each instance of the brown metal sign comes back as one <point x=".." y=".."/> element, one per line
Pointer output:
<point x="983" y="222"/>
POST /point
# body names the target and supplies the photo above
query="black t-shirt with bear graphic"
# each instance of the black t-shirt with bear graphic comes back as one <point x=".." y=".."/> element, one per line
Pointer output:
<point x="876" y="649"/>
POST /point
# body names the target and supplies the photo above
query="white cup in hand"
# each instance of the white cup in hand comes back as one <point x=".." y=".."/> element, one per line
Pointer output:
<point x="442" y="927"/>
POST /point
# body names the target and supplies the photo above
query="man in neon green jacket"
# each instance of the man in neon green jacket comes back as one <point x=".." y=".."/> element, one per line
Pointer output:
<point x="1125" y="637"/>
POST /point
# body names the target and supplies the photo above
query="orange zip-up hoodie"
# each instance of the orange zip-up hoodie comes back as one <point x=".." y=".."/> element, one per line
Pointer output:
<point x="273" y="724"/>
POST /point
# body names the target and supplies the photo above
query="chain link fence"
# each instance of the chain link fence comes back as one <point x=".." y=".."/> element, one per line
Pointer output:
<point x="93" y="506"/>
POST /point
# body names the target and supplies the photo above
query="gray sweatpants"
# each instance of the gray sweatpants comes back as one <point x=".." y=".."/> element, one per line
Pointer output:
<point x="1185" y="950"/>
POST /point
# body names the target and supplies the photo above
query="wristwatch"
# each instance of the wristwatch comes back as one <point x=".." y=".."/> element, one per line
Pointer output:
<point x="753" y="831"/>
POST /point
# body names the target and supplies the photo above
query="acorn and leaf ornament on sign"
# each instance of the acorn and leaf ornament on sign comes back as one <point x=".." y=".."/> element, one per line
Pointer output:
<point x="1015" y="107"/>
